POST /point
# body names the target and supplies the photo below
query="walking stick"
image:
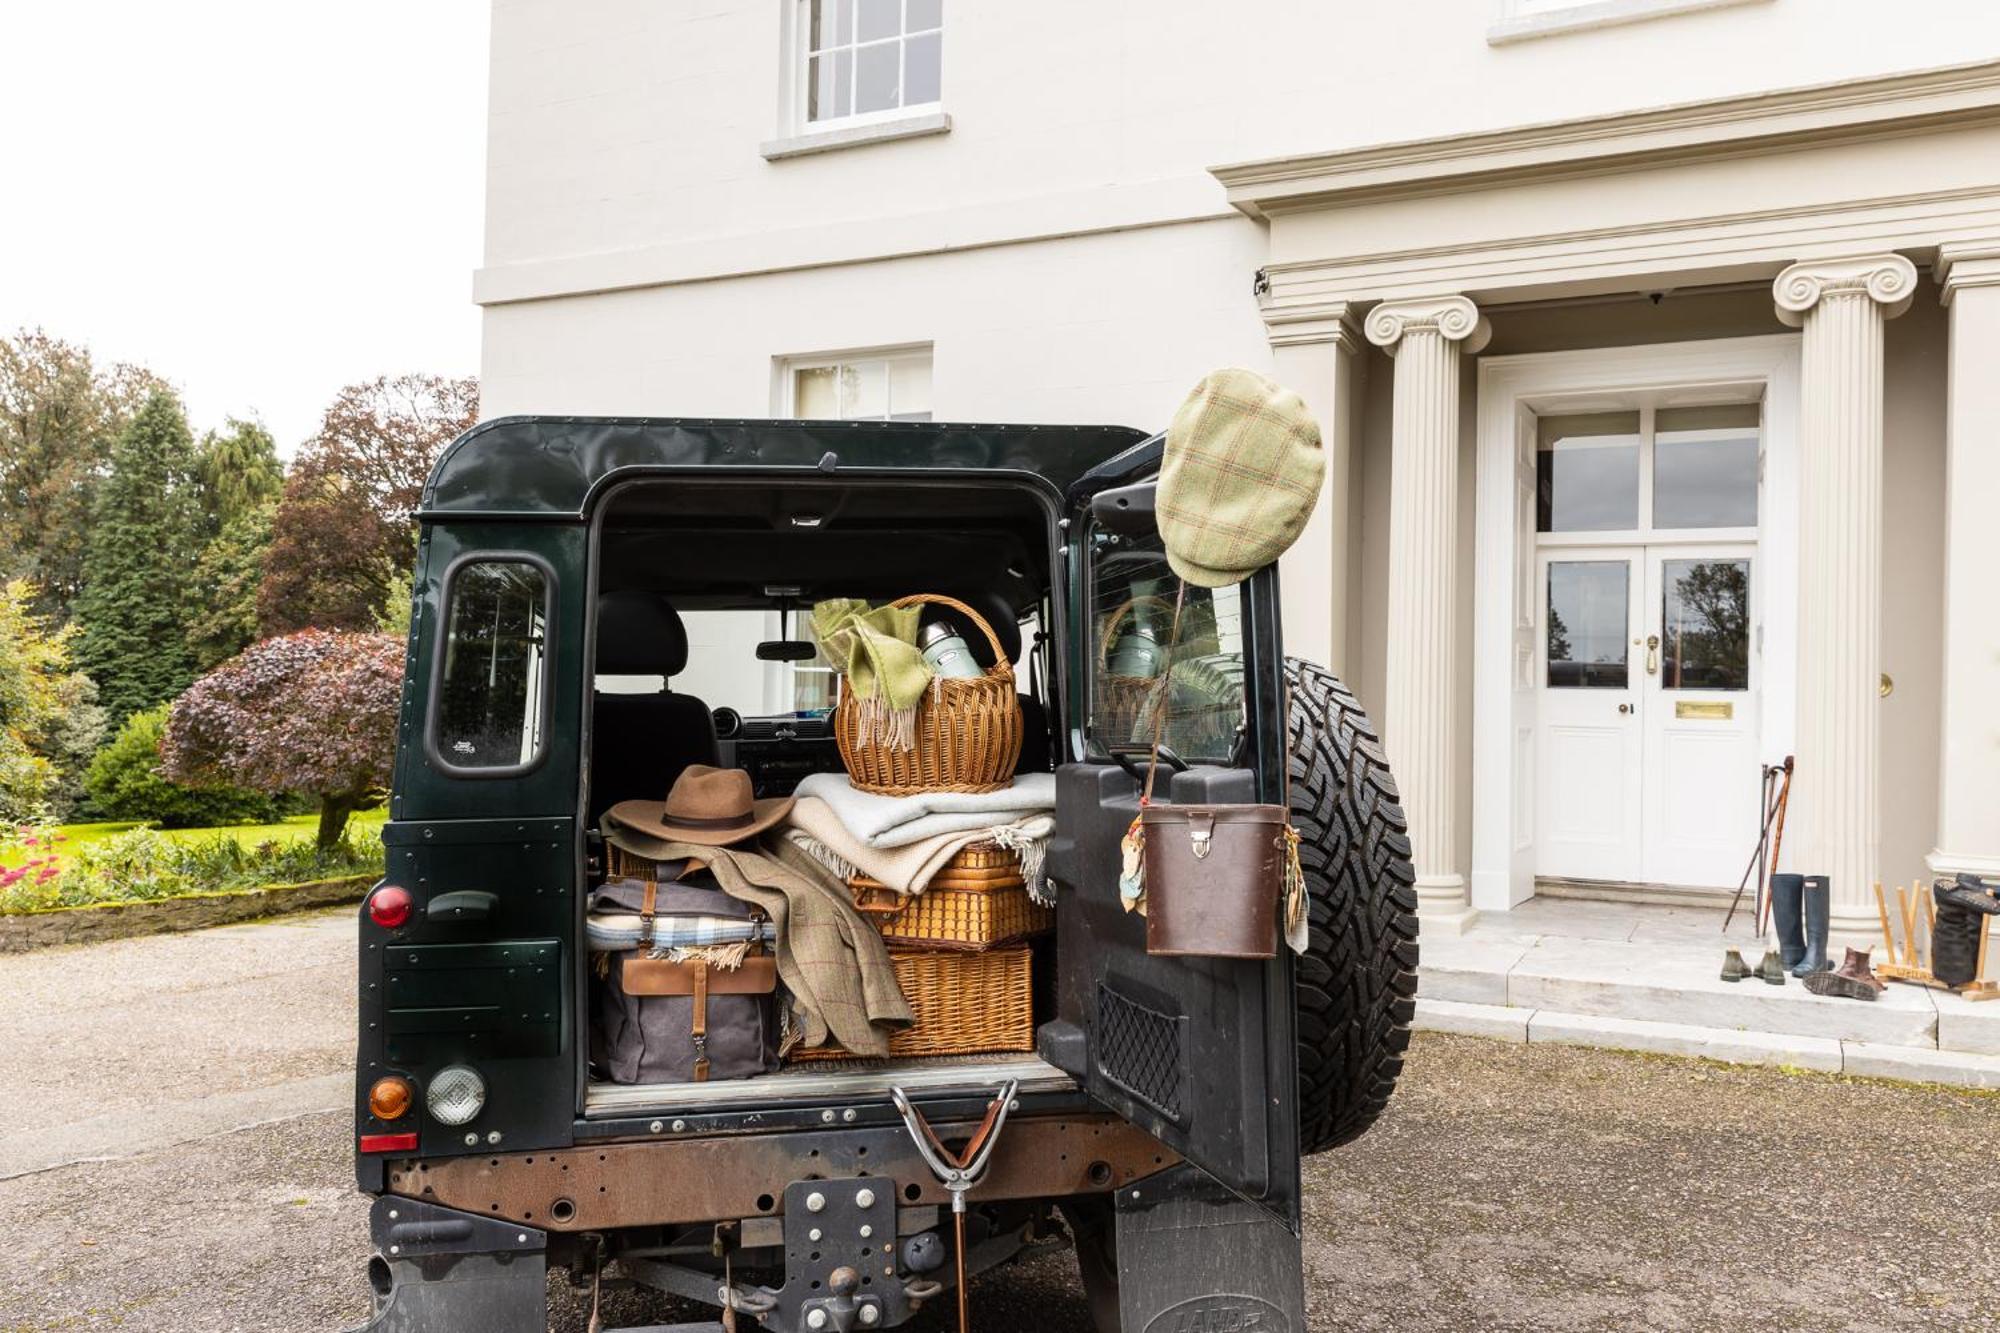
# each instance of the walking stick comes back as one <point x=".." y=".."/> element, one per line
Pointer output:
<point x="1778" y="834"/>
<point x="1767" y="808"/>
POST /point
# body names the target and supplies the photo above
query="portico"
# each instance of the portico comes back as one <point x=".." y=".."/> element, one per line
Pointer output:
<point x="1638" y="485"/>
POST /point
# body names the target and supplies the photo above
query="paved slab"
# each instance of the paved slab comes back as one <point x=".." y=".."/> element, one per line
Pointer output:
<point x="1632" y="963"/>
<point x="1494" y="1021"/>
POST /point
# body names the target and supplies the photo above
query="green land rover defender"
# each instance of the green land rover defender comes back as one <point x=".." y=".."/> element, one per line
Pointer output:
<point x="599" y="604"/>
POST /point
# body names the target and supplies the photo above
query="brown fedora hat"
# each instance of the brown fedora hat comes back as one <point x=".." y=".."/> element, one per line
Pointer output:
<point x="711" y="806"/>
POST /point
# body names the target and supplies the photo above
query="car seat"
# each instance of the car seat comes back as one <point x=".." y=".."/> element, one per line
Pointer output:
<point x="641" y="742"/>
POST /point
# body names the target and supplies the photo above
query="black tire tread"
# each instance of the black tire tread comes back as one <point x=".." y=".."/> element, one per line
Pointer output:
<point x="1357" y="980"/>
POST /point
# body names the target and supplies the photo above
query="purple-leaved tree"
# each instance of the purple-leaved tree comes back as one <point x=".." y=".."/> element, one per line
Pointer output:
<point x="311" y="712"/>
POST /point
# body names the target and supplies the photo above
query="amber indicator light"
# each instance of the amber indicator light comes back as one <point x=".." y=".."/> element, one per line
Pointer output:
<point x="389" y="1099"/>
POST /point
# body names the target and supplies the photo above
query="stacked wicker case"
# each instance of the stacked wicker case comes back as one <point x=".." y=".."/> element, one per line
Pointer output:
<point x="961" y="956"/>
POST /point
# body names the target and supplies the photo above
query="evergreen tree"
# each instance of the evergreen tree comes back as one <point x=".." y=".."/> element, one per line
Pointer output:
<point x="239" y="471"/>
<point x="144" y="540"/>
<point x="222" y="614"/>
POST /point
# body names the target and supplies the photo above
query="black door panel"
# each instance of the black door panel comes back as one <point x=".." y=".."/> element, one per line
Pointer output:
<point x="1173" y="1043"/>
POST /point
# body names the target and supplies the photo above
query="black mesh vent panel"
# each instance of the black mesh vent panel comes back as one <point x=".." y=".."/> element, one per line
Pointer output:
<point x="1140" y="1050"/>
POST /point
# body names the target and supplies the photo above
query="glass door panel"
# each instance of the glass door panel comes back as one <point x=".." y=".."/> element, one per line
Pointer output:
<point x="1705" y="624"/>
<point x="1588" y="615"/>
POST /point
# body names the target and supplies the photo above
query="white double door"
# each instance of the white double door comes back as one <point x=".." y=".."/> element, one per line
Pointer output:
<point x="1646" y="752"/>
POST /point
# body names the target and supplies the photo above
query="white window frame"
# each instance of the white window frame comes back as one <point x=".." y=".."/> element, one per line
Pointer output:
<point x="1524" y="20"/>
<point x="799" y="136"/>
<point x="785" y="390"/>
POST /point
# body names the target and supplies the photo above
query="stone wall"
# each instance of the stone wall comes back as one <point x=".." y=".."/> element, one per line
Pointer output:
<point x="115" y="921"/>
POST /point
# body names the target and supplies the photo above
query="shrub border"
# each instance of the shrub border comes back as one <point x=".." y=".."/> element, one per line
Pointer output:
<point x="95" y="922"/>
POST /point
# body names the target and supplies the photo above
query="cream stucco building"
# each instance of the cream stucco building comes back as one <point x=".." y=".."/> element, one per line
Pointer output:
<point x="1656" y="343"/>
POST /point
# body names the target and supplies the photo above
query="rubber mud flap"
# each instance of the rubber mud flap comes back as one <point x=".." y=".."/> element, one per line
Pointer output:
<point x="437" y="1268"/>
<point x="1195" y="1258"/>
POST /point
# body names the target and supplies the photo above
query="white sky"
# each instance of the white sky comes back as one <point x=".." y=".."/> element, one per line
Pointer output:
<point x="260" y="200"/>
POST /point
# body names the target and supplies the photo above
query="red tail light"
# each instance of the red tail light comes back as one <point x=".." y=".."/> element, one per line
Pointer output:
<point x="388" y="1143"/>
<point x="389" y="906"/>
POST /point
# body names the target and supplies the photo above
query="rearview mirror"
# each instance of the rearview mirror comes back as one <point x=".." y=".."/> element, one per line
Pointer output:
<point x="787" y="650"/>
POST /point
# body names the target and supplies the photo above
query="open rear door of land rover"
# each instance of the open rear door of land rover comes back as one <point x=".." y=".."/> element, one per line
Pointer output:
<point x="1201" y="1052"/>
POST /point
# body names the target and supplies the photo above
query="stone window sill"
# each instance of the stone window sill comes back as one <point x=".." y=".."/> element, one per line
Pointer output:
<point x="1516" y="27"/>
<point x="856" y="136"/>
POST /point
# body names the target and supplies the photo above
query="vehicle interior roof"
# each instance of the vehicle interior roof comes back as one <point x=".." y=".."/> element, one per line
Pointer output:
<point x="706" y="545"/>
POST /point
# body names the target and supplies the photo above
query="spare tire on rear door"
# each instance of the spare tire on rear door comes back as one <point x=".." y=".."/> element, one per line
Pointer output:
<point x="1357" y="980"/>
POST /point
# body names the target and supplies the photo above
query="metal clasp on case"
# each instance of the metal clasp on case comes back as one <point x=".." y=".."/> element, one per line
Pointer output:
<point x="1201" y="833"/>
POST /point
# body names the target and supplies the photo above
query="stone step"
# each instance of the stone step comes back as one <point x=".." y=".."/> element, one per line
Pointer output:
<point x="1861" y="1059"/>
<point x="1676" y="984"/>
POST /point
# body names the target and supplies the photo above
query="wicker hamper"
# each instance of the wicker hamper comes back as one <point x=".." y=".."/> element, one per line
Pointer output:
<point x="1123" y="711"/>
<point x="968" y="735"/>
<point x="970" y="917"/>
<point x="965" y="1003"/>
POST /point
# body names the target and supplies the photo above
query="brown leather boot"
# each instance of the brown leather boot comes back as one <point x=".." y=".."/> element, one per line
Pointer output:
<point x="1854" y="979"/>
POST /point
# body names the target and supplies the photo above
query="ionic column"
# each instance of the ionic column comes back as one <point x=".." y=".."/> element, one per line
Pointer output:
<point x="1969" y="766"/>
<point x="1427" y="337"/>
<point x="1834" y="820"/>
<point x="1316" y="353"/>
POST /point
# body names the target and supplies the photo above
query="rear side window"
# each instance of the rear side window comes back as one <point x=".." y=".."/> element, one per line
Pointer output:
<point x="1140" y="664"/>
<point x="489" y="692"/>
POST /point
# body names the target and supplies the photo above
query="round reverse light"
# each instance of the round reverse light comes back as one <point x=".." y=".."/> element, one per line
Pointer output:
<point x="456" y="1095"/>
<point x="389" y="906"/>
<point x="389" y="1099"/>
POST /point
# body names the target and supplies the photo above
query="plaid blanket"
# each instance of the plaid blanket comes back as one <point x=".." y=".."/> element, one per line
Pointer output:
<point x="608" y="932"/>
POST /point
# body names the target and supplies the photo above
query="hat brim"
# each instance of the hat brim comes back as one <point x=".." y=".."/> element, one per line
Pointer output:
<point x="650" y="817"/>
<point x="1201" y="576"/>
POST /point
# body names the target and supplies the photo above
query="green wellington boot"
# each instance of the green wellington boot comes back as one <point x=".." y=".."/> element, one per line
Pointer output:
<point x="1734" y="968"/>
<point x="1772" y="969"/>
<point x="1816" y="903"/>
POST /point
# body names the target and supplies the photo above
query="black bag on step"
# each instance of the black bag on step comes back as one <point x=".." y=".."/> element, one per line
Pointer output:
<point x="1962" y="908"/>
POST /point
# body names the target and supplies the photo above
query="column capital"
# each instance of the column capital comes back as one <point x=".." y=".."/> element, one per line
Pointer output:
<point x="1453" y="318"/>
<point x="1888" y="279"/>
<point x="1966" y="264"/>
<point x="1333" y="322"/>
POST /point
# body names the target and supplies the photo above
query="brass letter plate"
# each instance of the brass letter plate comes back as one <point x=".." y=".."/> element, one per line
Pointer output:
<point x="1719" y="710"/>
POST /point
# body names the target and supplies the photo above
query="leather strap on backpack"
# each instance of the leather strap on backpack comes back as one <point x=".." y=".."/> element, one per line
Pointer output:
<point x="646" y="915"/>
<point x="700" y="1022"/>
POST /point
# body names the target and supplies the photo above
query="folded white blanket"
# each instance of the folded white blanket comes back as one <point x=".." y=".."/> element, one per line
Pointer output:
<point x="910" y="868"/>
<point x="898" y="821"/>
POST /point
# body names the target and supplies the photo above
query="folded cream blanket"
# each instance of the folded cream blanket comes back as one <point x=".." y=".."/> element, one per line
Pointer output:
<point x="899" y="821"/>
<point x="816" y="829"/>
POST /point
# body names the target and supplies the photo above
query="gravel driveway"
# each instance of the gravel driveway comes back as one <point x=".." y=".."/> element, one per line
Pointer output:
<point x="1510" y="1187"/>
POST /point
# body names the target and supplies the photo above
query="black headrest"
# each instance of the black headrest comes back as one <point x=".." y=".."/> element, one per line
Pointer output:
<point x="639" y="634"/>
<point x="997" y="613"/>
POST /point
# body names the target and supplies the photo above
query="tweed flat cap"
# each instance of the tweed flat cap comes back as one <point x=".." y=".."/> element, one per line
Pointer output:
<point x="1240" y="477"/>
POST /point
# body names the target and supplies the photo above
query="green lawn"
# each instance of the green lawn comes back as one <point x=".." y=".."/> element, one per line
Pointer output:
<point x="366" y="824"/>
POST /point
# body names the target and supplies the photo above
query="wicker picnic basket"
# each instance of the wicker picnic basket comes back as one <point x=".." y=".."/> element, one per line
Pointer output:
<point x="965" y="1003"/>
<point x="971" y="907"/>
<point x="968" y="730"/>
<point x="1123" y="701"/>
